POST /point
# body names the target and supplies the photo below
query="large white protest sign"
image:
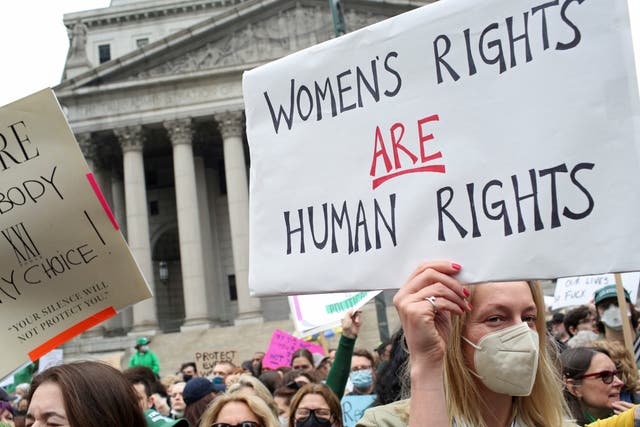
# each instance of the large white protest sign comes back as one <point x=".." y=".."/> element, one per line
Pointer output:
<point x="64" y="265"/>
<point x="580" y="290"/>
<point x="319" y="312"/>
<point x="498" y="134"/>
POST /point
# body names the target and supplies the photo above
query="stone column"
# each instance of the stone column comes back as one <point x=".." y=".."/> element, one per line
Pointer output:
<point x="89" y="151"/>
<point x="96" y="161"/>
<point x="210" y="266"/>
<point x="124" y="319"/>
<point x="231" y="125"/>
<point x="131" y="141"/>
<point x="189" y="228"/>
<point x="117" y="193"/>
<point x="219" y="299"/>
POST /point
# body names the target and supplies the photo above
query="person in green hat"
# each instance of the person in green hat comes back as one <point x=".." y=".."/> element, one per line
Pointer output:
<point x="156" y="419"/>
<point x="144" y="357"/>
<point x="609" y="317"/>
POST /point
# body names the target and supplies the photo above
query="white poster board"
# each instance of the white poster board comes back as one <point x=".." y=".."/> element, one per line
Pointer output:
<point x="319" y="312"/>
<point x="448" y="133"/>
<point x="580" y="290"/>
<point x="64" y="265"/>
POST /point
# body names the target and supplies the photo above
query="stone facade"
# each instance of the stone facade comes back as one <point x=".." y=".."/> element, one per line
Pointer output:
<point x="162" y="127"/>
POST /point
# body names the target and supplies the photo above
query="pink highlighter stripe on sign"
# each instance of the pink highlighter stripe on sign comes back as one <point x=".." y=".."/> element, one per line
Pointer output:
<point x="103" y="202"/>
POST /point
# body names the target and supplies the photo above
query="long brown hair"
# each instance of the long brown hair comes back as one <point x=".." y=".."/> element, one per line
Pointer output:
<point x="94" y="394"/>
<point x="193" y="411"/>
<point x="329" y="397"/>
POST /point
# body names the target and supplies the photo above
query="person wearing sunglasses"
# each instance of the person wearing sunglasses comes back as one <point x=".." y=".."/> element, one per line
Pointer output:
<point x="240" y="409"/>
<point x="315" y="405"/>
<point x="592" y="384"/>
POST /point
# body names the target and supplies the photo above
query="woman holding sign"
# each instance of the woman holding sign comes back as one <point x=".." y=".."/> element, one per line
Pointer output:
<point x="478" y="355"/>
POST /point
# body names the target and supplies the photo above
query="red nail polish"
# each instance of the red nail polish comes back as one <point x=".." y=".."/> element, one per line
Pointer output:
<point x="456" y="266"/>
<point x="470" y="306"/>
<point x="466" y="292"/>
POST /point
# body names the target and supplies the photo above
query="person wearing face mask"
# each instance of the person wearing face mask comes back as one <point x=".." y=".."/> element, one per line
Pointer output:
<point x="478" y="356"/>
<point x="315" y="405"/>
<point x="609" y="319"/>
<point x="340" y="370"/>
<point x="362" y="375"/>
<point x="282" y="396"/>
<point x="221" y="371"/>
<point x="144" y="356"/>
<point x="188" y="370"/>
<point x="176" y="400"/>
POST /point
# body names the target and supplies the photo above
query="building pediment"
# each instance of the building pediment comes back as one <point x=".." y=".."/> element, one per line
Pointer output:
<point x="251" y="34"/>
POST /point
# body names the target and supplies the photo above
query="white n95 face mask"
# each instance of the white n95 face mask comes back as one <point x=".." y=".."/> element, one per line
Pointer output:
<point x="612" y="319"/>
<point x="506" y="361"/>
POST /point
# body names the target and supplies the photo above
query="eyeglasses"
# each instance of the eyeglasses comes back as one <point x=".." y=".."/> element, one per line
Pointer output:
<point x="302" y="413"/>
<point x="605" y="376"/>
<point x="242" y="424"/>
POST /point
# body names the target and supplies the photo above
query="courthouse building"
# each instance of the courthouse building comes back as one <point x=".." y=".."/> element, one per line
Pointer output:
<point x="153" y="92"/>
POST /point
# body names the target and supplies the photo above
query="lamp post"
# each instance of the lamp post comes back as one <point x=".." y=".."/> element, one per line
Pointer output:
<point x="340" y="28"/>
<point x="163" y="269"/>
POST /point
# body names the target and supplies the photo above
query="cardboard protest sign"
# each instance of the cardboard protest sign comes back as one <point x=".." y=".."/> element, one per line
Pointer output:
<point x="580" y="290"/>
<point x="353" y="407"/>
<point x="319" y="312"/>
<point x="495" y="134"/>
<point x="206" y="360"/>
<point x="65" y="266"/>
<point x="282" y="346"/>
<point x="53" y="358"/>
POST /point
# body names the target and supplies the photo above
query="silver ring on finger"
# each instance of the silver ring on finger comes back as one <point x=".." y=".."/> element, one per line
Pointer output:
<point x="432" y="300"/>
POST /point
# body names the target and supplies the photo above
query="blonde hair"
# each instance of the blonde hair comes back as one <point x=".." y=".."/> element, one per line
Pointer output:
<point x="169" y="380"/>
<point x="248" y="381"/>
<point x="624" y="362"/>
<point x="255" y="404"/>
<point x="545" y="405"/>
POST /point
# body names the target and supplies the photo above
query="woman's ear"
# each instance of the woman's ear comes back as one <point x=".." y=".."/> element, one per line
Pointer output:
<point x="572" y="387"/>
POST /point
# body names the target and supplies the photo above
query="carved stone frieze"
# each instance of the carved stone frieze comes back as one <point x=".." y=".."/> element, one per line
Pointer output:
<point x="282" y="34"/>
<point x="230" y="123"/>
<point x="87" y="146"/>
<point x="179" y="130"/>
<point x="131" y="138"/>
<point x="138" y="101"/>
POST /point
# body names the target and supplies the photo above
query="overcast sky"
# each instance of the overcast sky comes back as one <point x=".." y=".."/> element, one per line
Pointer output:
<point x="34" y="42"/>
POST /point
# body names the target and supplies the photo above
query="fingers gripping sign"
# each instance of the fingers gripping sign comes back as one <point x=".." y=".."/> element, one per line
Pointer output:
<point x="424" y="305"/>
<point x="351" y="323"/>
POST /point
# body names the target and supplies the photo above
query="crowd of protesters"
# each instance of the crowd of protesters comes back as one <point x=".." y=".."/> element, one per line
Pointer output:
<point x="596" y="374"/>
